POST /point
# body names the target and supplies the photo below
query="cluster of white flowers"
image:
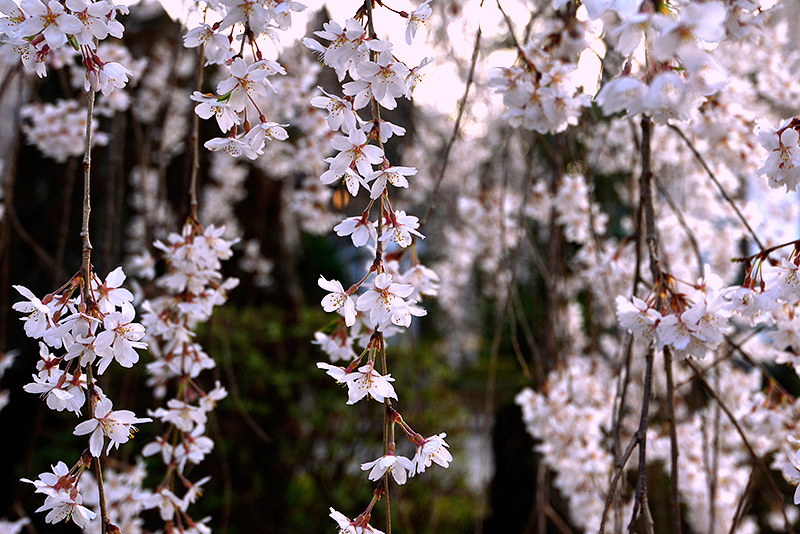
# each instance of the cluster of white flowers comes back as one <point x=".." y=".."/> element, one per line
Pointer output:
<point x="192" y="286"/>
<point x="577" y="396"/>
<point x="377" y="78"/>
<point x="540" y="91"/>
<point x="57" y="129"/>
<point x="37" y="30"/>
<point x="678" y="72"/>
<point x="125" y="498"/>
<point x="782" y="166"/>
<point x="690" y="324"/>
<point x="239" y="94"/>
<point x="91" y="329"/>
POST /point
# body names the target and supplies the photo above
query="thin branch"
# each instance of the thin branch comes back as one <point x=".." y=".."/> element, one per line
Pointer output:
<point x="561" y="525"/>
<point x="196" y="139"/>
<point x="641" y="439"/>
<point x="757" y="459"/>
<point x="682" y="221"/>
<point x="41" y="253"/>
<point x="456" y="127"/>
<point x="713" y="177"/>
<point x="673" y="443"/>
<point x="621" y="463"/>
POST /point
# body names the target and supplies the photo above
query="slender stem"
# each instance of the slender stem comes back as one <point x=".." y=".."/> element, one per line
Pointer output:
<point x="376" y="129"/>
<point x="712" y="176"/>
<point x="87" y="205"/>
<point x="196" y="140"/>
<point x="91" y="392"/>
<point x="640" y="501"/>
<point x="756" y="458"/>
<point x="673" y="443"/>
<point x="456" y="126"/>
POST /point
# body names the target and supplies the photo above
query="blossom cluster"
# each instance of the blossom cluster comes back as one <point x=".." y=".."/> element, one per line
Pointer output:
<point x="678" y="72"/>
<point x="374" y="78"/>
<point x="193" y="285"/>
<point x="690" y="325"/>
<point x="540" y="91"/>
<point x="241" y="94"/>
<point x="782" y="166"/>
<point x="90" y="329"/>
<point x="38" y="30"/>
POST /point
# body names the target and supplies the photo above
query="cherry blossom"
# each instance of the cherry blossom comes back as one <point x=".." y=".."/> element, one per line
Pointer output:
<point x="116" y="425"/>
<point x="398" y="466"/>
<point x="337" y="300"/>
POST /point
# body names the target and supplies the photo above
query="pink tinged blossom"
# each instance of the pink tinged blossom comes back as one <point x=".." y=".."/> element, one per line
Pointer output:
<point x="112" y="294"/>
<point x="791" y="472"/>
<point x="340" y="111"/>
<point x="359" y="229"/>
<point x="183" y="415"/>
<point x="338" y="347"/>
<point x="386" y="130"/>
<point x="704" y="21"/>
<point x="399" y="227"/>
<point x="337" y="373"/>
<point x="263" y="132"/>
<point x="52" y="484"/>
<point x="623" y="93"/>
<point x="788" y="281"/>
<point x="674" y="331"/>
<point x="110" y="76"/>
<point x="233" y="146"/>
<point x="386" y="303"/>
<point x="38" y="319"/>
<point x="637" y="317"/>
<point x="355" y="152"/>
<point x="367" y="381"/>
<point x="248" y="12"/>
<point x="123" y="336"/>
<point x="345" y="525"/>
<point x="60" y="389"/>
<point x="386" y="79"/>
<point x="416" y="19"/>
<point x="338" y="300"/>
<point x="14" y="17"/>
<point x="414" y="76"/>
<point x="116" y="425"/>
<point x="668" y="97"/>
<point x="348" y="176"/>
<point x="246" y="81"/>
<point x="93" y="16"/>
<point x="29" y="56"/>
<point x="166" y="502"/>
<point x="64" y="506"/>
<point x="347" y="47"/>
<point x="432" y="450"/>
<point x="217" y="46"/>
<point x="782" y="166"/>
<point x="50" y="19"/>
<point x="398" y="466"/>
<point x="424" y="280"/>
<point x="392" y="175"/>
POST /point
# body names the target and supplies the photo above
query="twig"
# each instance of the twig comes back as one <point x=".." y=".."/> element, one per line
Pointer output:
<point x="559" y="523"/>
<point x="196" y="140"/>
<point x="757" y="459"/>
<point x="456" y="127"/>
<point x="641" y="439"/>
<point x="682" y="221"/>
<point x="673" y="443"/>
<point x="621" y="463"/>
<point x="46" y="258"/>
<point x="712" y="176"/>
